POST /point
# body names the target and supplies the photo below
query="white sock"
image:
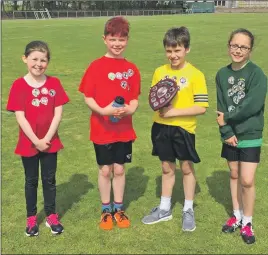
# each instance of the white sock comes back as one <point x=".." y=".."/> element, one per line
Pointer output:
<point x="165" y="203"/>
<point x="246" y="220"/>
<point x="238" y="215"/>
<point x="188" y="204"/>
<point x="241" y="213"/>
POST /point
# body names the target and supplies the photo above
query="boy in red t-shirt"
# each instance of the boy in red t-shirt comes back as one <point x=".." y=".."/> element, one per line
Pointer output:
<point x="111" y="129"/>
<point x="37" y="101"/>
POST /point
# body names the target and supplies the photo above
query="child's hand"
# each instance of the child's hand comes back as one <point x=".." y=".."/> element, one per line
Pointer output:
<point x="125" y="111"/>
<point x="42" y="144"/>
<point x="109" y="110"/>
<point x="220" y="119"/>
<point x="232" y="141"/>
<point x="167" y="112"/>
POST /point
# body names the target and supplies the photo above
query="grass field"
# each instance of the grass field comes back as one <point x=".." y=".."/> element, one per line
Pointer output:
<point x="74" y="44"/>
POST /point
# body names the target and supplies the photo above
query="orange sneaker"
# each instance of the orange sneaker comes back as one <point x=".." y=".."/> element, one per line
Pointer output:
<point x="106" y="221"/>
<point x="121" y="219"/>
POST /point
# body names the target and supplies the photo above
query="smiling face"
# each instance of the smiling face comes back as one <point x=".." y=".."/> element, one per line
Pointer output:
<point x="176" y="56"/>
<point x="239" y="49"/>
<point x="36" y="62"/>
<point x="115" y="45"/>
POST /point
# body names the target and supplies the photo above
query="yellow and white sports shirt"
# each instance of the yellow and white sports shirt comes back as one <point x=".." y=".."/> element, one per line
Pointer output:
<point x="193" y="91"/>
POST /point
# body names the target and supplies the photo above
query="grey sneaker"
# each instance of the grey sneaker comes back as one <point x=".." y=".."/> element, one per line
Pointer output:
<point x="188" y="221"/>
<point x="156" y="216"/>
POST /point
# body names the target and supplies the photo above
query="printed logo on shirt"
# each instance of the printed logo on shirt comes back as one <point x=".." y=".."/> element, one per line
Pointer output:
<point x="241" y="83"/>
<point x="130" y="72"/>
<point x="118" y="76"/>
<point x="44" y="91"/>
<point x="125" y="75"/>
<point x="35" y="102"/>
<point x="111" y="76"/>
<point x="52" y="92"/>
<point x="36" y="92"/>
<point x="124" y="84"/>
<point x="231" y="80"/>
<point x="237" y="91"/>
<point x="231" y="108"/>
<point x="183" y="82"/>
<point x="44" y="100"/>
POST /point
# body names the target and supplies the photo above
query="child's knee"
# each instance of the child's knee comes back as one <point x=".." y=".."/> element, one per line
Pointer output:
<point x="106" y="171"/>
<point x="187" y="167"/>
<point x="247" y="182"/>
<point x="168" y="167"/>
<point x="119" y="170"/>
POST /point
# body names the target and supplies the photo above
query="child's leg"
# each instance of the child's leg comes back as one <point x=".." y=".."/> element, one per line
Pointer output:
<point x="119" y="180"/>
<point x="104" y="184"/>
<point x="235" y="188"/>
<point x="31" y="170"/>
<point x="48" y="174"/>
<point x="168" y="181"/>
<point x="189" y="183"/>
<point x="248" y="170"/>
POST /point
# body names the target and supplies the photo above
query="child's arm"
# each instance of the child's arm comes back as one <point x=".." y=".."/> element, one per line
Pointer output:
<point x="26" y="127"/>
<point x="40" y="145"/>
<point x="226" y="130"/>
<point x="54" y="124"/>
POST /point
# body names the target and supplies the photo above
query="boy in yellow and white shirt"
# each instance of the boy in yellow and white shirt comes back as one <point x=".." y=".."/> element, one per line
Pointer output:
<point x="173" y="130"/>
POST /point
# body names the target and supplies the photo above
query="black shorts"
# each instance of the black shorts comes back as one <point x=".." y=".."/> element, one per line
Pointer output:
<point x="108" y="154"/>
<point x="232" y="153"/>
<point x="172" y="142"/>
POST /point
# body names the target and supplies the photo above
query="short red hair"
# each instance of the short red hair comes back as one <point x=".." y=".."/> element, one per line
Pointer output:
<point x="116" y="26"/>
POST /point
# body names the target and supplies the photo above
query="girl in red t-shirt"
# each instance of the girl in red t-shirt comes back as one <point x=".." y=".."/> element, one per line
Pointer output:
<point x="37" y="101"/>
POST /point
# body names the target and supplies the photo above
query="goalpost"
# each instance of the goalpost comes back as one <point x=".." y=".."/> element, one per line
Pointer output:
<point x="42" y="14"/>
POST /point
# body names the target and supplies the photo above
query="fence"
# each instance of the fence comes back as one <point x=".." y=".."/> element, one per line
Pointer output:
<point x="84" y="14"/>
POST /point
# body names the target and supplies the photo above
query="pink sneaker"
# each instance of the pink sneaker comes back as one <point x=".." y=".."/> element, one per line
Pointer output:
<point x="247" y="234"/>
<point x="53" y="223"/>
<point x="31" y="228"/>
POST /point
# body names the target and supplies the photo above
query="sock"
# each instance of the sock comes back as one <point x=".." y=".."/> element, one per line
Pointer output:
<point x="238" y="215"/>
<point x="241" y="213"/>
<point x="188" y="204"/>
<point x="118" y="206"/>
<point x="165" y="203"/>
<point x="246" y="220"/>
<point x="106" y="207"/>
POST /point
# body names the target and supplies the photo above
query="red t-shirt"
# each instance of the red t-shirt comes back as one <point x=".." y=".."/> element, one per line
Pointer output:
<point x="38" y="105"/>
<point x="104" y="80"/>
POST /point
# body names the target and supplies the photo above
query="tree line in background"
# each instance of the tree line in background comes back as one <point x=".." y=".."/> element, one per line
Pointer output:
<point x="80" y="5"/>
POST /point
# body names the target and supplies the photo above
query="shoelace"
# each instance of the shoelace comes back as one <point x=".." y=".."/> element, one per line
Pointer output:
<point x="53" y="219"/>
<point x="187" y="215"/>
<point x="105" y="217"/>
<point x="231" y="221"/>
<point x="31" y="221"/>
<point x="122" y="216"/>
<point x="247" y="230"/>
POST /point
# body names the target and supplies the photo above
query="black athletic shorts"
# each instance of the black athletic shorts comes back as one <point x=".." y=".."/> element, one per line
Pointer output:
<point x="232" y="153"/>
<point x="172" y="142"/>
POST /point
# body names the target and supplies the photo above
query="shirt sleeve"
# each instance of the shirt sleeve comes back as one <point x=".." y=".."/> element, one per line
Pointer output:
<point x="136" y="83"/>
<point x="87" y="85"/>
<point x="61" y="97"/>
<point x="200" y="90"/>
<point x="254" y="100"/>
<point x="226" y="131"/>
<point x="16" y="97"/>
<point x="155" y="78"/>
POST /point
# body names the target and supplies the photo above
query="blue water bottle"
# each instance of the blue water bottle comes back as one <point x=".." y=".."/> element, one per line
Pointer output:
<point x="118" y="102"/>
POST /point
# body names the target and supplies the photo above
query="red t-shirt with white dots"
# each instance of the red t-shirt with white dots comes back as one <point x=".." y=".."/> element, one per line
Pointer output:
<point x="104" y="80"/>
<point x="38" y="105"/>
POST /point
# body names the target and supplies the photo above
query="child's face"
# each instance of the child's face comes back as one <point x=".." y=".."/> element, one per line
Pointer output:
<point x="115" y="44"/>
<point x="240" y="48"/>
<point x="36" y="62"/>
<point x="176" y="55"/>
